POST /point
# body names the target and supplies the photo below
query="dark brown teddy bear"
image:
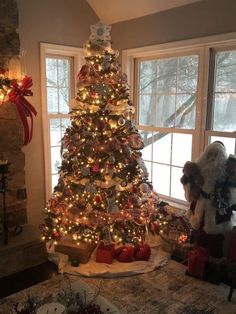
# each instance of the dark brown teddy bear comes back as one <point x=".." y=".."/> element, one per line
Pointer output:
<point x="192" y="180"/>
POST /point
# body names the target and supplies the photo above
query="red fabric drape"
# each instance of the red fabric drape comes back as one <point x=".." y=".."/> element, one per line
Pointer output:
<point x="24" y="108"/>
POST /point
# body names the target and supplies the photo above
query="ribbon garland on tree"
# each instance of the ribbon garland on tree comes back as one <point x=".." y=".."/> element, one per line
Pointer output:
<point x="16" y="95"/>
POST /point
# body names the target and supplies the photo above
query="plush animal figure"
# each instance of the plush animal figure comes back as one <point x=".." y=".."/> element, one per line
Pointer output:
<point x="192" y="181"/>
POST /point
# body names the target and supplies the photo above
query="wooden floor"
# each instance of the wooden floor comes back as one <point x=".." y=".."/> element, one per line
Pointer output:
<point x="27" y="278"/>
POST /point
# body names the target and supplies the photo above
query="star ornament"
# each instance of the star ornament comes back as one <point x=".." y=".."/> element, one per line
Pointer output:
<point x="100" y="31"/>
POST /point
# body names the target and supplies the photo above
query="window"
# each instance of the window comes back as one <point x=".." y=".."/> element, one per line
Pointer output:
<point x="185" y="98"/>
<point x="166" y="99"/>
<point x="222" y="99"/>
<point x="59" y="64"/>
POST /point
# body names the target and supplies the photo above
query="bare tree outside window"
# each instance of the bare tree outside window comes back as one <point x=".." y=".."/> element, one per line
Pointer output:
<point x="167" y="92"/>
<point x="167" y="99"/>
<point x="58" y="97"/>
<point x="224" y="103"/>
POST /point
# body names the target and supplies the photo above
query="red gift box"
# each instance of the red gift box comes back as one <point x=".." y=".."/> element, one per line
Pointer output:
<point x="232" y="246"/>
<point x="105" y="253"/>
<point x="196" y="262"/>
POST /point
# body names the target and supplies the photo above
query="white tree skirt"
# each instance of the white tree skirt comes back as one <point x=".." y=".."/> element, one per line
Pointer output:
<point x="116" y="269"/>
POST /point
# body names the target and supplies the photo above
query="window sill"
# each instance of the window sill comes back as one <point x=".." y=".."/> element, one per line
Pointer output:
<point x="177" y="205"/>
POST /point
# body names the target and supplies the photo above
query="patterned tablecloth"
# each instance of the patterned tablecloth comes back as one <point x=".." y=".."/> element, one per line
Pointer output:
<point x="166" y="290"/>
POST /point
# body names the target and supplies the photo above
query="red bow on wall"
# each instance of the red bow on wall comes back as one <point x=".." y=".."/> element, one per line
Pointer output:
<point x="24" y="108"/>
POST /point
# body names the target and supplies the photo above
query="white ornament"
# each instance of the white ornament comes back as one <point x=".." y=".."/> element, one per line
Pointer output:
<point x="144" y="188"/>
<point x="79" y="105"/>
<point x="100" y="31"/>
<point x="118" y="110"/>
<point x="120" y="188"/>
<point x="51" y="308"/>
<point x="132" y="109"/>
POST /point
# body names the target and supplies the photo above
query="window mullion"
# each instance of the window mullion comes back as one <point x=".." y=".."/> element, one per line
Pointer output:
<point x="220" y="133"/>
<point x="136" y="95"/>
<point x="164" y="130"/>
<point x="210" y="98"/>
<point x="58" y="97"/>
<point x="198" y="140"/>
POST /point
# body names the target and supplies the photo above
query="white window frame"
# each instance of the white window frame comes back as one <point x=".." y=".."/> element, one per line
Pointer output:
<point x="202" y="47"/>
<point x="54" y="50"/>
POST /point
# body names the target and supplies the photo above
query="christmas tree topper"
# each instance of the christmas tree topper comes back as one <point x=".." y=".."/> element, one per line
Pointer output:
<point x="100" y="31"/>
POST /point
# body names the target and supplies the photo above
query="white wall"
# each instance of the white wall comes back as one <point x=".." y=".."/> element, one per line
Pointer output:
<point x="203" y="18"/>
<point x="64" y="22"/>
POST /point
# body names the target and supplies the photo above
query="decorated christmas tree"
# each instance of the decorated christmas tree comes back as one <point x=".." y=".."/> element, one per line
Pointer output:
<point x="103" y="190"/>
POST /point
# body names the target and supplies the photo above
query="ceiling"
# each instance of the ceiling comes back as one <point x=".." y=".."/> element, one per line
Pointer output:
<point x="113" y="11"/>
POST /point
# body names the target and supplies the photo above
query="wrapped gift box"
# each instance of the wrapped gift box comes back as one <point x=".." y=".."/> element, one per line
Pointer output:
<point x="105" y="253"/>
<point x="197" y="259"/>
<point x="81" y="252"/>
<point x="178" y="251"/>
<point x="176" y="237"/>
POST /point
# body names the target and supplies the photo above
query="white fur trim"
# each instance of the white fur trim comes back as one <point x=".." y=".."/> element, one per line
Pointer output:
<point x="232" y="196"/>
<point x="212" y="164"/>
<point x="205" y="210"/>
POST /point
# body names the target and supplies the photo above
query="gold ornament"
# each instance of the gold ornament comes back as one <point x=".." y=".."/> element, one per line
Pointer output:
<point x="121" y="121"/>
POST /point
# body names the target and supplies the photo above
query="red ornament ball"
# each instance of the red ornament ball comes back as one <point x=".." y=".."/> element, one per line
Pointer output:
<point x="97" y="198"/>
<point x="154" y="226"/>
<point x="56" y="235"/>
<point x="133" y="189"/>
<point x="96" y="167"/>
<point x="125" y="254"/>
<point x="142" y="252"/>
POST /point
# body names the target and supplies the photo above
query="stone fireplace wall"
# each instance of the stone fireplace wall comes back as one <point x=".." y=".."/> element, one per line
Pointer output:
<point x="9" y="38"/>
<point x="11" y="131"/>
<point x="11" y="135"/>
